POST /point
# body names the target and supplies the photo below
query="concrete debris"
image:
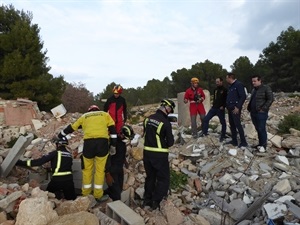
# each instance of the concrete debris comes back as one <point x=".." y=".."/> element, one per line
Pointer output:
<point x="225" y="184"/>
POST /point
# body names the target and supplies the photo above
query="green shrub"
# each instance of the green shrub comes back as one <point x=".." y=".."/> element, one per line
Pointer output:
<point x="289" y="121"/>
<point x="177" y="180"/>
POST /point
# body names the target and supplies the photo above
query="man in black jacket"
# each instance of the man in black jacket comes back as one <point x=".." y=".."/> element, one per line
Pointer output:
<point x="259" y="104"/>
<point x="218" y="108"/>
<point x="61" y="165"/>
<point x="158" y="137"/>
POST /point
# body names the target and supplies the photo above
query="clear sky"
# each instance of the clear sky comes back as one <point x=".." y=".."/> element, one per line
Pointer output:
<point x="130" y="42"/>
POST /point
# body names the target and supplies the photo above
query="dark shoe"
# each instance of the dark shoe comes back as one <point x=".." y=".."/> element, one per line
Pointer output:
<point x="155" y="205"/>
<point x="254" y="146"/>
<point x="201" y="134"/>
<point x="147" y="203"/>
<point x="222" y="139"/>
<point x="243" y="145"/>
<point x="104" y="198"/>
<point x="231" y="143"/>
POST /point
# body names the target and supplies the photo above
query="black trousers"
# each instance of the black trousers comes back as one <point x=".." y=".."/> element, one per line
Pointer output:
<point x="114" y="191"/>
<point x="64" y="186"/>
<point x="157" y="178"/>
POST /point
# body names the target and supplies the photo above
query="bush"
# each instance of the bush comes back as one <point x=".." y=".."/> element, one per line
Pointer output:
<point x="289" y="121"/>
<point x="177" y="180"/>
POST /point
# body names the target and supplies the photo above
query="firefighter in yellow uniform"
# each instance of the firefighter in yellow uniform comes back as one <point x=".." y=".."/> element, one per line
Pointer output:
<point x="99" y="135"/>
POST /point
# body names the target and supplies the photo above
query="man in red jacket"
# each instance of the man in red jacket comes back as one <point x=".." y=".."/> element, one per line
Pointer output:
<point x="195" y="96"/>
<point x="117" y="108"/>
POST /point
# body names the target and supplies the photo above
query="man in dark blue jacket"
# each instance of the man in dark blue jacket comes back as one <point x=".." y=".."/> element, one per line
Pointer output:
<point x="259" y="104"/>
<point x="158" y="138"/>
<point x="236" y="97"/>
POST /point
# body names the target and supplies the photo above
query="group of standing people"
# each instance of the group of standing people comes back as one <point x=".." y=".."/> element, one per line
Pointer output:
<point x="232" y="99"/>
<point x="106" y="136"/>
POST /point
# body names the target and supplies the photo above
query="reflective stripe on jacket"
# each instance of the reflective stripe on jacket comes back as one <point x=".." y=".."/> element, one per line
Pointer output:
<point x="158" y="133"/>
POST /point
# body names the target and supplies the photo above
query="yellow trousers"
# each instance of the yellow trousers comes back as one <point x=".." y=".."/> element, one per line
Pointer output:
<point x="96" y="167"/>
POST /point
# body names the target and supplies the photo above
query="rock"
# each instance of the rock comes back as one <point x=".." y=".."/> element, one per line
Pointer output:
<point x="172" y="214"/>
<point x="213" y="217"/>
<point x="78" y="205"/>
<point x="82" y="218"/>
<point x="137" y="153"/>
<point x="294" y="132"/>
<point x="290" y="142"/>
<point x="282" y="187"/>
<point x="4" y="203"/>
<point x="35" y="211"/>
<point x="199" y="220"/>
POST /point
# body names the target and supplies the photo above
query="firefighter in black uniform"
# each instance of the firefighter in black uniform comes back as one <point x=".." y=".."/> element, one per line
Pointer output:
<point x="158" y="138"/>
<point x="114" y="169"/>
<point x="61" y="165"/>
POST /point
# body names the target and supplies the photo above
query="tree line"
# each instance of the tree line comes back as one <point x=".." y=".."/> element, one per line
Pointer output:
<point x="24" y="72"/>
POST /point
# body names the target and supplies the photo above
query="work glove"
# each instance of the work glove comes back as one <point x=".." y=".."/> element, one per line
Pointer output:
<point x="21" y="163"/>
<point x="54" y="139"/>
<point x="109" y="179"/>
<point x="112" y="150"/>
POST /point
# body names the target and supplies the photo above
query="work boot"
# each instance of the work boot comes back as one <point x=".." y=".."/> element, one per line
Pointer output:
<point x="155" y="205"/>
<point x="104" y="198"/>
<point x="147" y="202"/>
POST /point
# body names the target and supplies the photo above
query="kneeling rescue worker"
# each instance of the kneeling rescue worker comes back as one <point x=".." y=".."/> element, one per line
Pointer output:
<point x="115" y="164"/>
<point x="99" y="133"/>
<point x="61" y="165"/>
<point x="158" y="138"/>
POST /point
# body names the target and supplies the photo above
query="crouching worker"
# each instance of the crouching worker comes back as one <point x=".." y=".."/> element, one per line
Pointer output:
<point x="61" y="166"/>
<point x="114" y="168"/>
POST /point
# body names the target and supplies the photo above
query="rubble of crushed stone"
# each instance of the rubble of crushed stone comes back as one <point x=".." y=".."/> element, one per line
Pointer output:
<point x="226" y="185"/>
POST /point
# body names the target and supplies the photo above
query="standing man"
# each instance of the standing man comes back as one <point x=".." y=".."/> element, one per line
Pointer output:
<point x="218" y="108"/>
<point x="259" y="105"/>
<point x="61" y="165"/>
<point x="158" y="137"/>
<point x="195" y="96"/>
<point x="116" y="107"/>
<point x="99" y="132"/>
<point x="234" y="102"/>
<point x="115" y="163"/>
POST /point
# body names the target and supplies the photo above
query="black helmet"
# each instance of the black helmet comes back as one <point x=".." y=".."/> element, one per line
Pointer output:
<point x="62" y="141"/>
<point x="128" y="132"/>
<point x="168" y="102"/>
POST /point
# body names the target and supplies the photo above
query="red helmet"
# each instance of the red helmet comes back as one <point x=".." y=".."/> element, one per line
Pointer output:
<point x="93" y="108"/>
<point x="118" y="89"/>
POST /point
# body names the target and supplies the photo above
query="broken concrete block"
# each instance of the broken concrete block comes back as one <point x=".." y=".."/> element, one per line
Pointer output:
<point x="232" y="152"/>
<point x="59" y="111"/>
<point x="239" y="207"/>
<point x="120" y="212"/>
<point x="14" y="154"/>
<point x="275" y="139"/>
<point x="275" y="210"/>
<point x="282" y="187"/>
<point x="82" y="217"/>
<point x="37" y="124"/>
<point x="282" y="159"/>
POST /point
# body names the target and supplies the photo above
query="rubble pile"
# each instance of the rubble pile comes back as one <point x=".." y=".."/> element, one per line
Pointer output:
<point x="225" y="184"/>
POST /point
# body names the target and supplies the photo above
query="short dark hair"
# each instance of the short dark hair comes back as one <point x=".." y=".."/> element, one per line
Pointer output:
<point x="256" y="76"/>
<point x="231" y="75"/>
<point x="220" y="78"/>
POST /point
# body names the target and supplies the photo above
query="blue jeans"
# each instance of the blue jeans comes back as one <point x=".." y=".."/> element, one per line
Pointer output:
<point x="214" y="112"/>
<point x="235" y="124"/>
<point x="259" y="120"/>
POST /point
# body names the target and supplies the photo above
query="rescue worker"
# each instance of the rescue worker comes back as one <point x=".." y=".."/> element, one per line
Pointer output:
<point x="115" y="163"/>
<point x="195" y="96"/>
<point x="61" y="165"/>
<point x="99" y="133"/>
<point x="117" y="108"/>
<point x="158" y="137"/>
